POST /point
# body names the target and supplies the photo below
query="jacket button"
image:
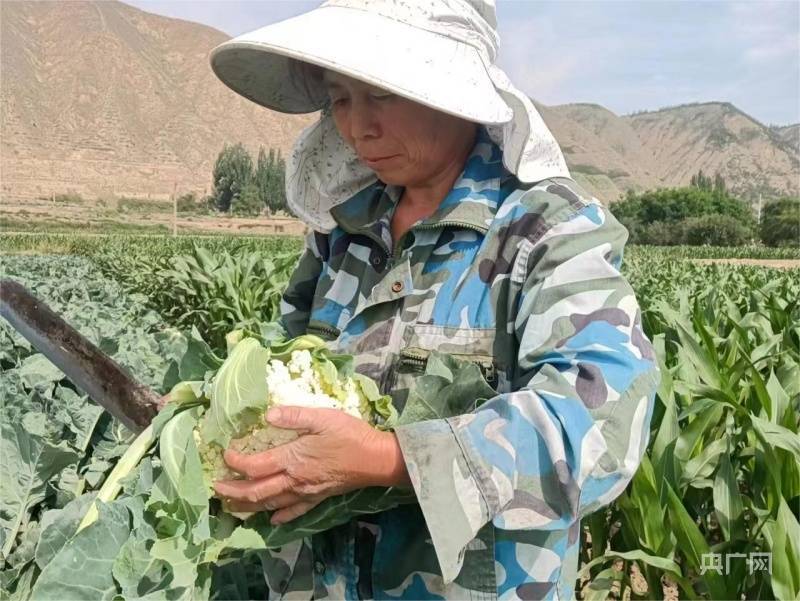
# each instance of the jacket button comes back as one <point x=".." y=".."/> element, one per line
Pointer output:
<point x="319" y="567"/>
<point x="397" y="286"/>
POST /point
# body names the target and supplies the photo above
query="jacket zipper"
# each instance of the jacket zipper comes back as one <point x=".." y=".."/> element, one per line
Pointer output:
<point x="431" y="226"/>
<point x="330" y="330"/>
<point x="418" y="361"/>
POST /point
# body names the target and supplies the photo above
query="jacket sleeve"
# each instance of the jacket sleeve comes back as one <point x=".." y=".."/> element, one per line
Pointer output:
<point x="297" y="298"/>
<point x="572" y="432"/>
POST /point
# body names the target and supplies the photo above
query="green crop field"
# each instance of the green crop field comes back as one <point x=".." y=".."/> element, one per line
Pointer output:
<point x="721" y="478"/>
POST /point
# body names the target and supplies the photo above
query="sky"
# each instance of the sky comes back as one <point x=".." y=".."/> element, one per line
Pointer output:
<point x="626" y="55"/>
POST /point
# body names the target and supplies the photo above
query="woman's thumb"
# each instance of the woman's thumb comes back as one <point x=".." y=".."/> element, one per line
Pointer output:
<point x="295" y="418"/>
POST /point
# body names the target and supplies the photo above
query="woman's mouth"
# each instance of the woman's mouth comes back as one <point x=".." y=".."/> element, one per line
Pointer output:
<point x="377" y="162"/>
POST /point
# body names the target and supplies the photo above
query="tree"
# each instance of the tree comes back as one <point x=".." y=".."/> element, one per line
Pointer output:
<point x="659" y="216"/>
<point x="233" y="170"/>
<point x="700" y="181"/>
<point x="263" y="176"/>
<point x="703" y="182"/>
<point x="280" y="186"/>
<point x="719" y="185"/>
<point x="270" y="178"/>
<point x="780" y="222"/>
<point x="248" y="202"/>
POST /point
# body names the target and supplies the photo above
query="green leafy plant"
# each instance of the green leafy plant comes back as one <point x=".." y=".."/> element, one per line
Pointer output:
<point x="722" y="471"/>
<point x="780" y="223"/>
<point x="720" y="474"/>
<point x="168" y="535"/>
<point x="219" y="292"/>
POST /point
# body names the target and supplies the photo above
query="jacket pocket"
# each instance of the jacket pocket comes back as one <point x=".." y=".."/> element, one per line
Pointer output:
<point x="468" y="344"/>
<point x="414" y="360"/>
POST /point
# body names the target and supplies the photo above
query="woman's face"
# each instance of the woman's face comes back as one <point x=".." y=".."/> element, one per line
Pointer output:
<point x="421" y="141"/>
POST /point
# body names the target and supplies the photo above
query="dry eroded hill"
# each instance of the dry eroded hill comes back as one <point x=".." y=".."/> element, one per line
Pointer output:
<point x="102" y="98"/>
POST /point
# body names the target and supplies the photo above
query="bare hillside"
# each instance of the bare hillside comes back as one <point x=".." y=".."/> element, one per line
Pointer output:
<point x="791" y="135"/>
<point x="718" y="138"/>
<point x="603" y="151"/>
<point x="100" y="97"/>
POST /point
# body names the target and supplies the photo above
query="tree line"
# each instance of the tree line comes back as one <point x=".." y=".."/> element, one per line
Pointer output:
<point x="706" y="212"/>
<point x="242" y="187"/>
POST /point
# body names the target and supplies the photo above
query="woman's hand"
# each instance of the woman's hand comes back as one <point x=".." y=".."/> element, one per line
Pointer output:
<point x="334" y="454"/>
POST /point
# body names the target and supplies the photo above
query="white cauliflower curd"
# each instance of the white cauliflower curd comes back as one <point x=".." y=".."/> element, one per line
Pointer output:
<point x="298" y="383"/>
<point x="297" y="377"/>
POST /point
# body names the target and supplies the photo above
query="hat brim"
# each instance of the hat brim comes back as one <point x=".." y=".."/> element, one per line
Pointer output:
<point x="432" y="69"/>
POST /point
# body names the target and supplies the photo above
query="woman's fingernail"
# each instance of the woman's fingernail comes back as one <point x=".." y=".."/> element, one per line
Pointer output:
<point x="274" y="415"/>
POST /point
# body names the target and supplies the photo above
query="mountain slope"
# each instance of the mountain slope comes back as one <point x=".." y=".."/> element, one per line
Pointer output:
<point x="718" y="138"/>
<point x="102" y="98"/>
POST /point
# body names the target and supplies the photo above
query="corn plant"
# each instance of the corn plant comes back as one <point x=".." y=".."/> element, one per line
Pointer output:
<point x="721" y="477"/>
<point x="219" y="292"/>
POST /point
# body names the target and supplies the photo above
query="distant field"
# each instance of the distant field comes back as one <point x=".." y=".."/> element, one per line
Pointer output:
<point x="775" y="263"/>
<point x="75" y="241"/>
<point x="143" y="246"/>
<point x="716" y="252"/>
<point x="66" y="214"/>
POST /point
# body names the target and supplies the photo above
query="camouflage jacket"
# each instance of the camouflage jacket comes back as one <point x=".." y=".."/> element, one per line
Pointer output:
<point x="524" y="280"/>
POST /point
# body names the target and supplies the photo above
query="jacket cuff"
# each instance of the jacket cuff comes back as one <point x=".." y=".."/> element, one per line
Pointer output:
<point x="449" y="495"/>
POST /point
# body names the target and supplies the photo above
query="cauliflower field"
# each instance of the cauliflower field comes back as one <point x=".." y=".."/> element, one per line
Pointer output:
<point x="721" y="473"/>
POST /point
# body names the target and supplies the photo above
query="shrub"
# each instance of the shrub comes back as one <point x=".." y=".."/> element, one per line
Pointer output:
<point x="190" y="203"/>
<point x="677" y="204"/>
<point x="70" y="198"/>
<point x="662" y="216"/>
<point x="715" y="230"/>
<point x="780" y="223"/>
<point x="140" y="205"/>
<point x="661" y="233"/>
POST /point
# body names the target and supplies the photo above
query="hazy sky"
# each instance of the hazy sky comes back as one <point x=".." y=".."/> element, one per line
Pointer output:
<point x="624" y="55"/>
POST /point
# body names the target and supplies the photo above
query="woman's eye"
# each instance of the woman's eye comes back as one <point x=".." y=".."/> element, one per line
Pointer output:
<point x="340" y="101"/>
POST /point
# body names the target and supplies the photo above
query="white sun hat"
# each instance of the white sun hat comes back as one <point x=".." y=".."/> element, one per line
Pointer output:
<point x="439" y="53"/>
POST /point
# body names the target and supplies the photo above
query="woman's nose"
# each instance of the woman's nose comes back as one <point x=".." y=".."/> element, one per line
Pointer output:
<point x="364" y="120"/>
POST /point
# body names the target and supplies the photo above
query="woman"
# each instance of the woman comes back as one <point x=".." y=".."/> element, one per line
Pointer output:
<point x="443" y="217"/>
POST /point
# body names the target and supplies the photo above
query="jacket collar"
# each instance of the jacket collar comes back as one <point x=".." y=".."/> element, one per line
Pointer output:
<point x="471" y="203"/>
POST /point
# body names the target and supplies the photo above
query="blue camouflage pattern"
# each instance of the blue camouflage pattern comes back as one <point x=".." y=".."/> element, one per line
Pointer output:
<point x="523" y="280"/>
